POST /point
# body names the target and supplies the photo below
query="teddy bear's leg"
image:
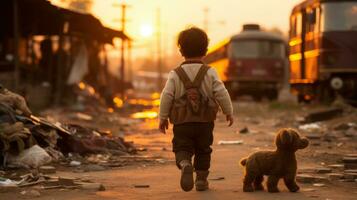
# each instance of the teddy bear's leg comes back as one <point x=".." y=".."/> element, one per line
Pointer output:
<point x="272" y="183"/>
<point x="290" y="183"/>
<point x="248" y="183"/>
<point x="258" y="183"/>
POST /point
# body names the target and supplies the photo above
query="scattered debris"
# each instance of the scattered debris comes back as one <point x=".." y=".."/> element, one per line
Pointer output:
<point x="93" y="168"/>
<point x="350" y="165"/>
<point x="31" y="193"/>
<point x="313" y="136"/>
<point x="74" y="163"/>
<point x="7" y="182"/>
<point x="244" y="130"/>
<point x="306" y="178"/>
<point x="350" y="176"/>
<point x="342" y="127"/>
<point x="93" y="186"/>
<point x="31" y="142"/>
<point x="323" y="170"/>
<point x="219" y="178"/>
<point x="323" y="115"/>
<point x="33" y="157"/>
<point x="334" y="176"/>
<point x="141" y="186"/>
<point x="319" y="184"/>
<point x="230" y="142"/>
<point x="311" y="128"/>
<point x="47" y="170"/>
<point x="83" y="116"/>
<point x="308" y="190"/>
<point x="350" y="159"/>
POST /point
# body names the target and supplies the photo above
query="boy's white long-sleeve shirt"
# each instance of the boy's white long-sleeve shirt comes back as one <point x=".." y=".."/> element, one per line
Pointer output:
<point x="212" y="87"/>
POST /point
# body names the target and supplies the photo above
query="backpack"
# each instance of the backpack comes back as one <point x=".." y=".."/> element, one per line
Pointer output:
<point x="193" y="106"/>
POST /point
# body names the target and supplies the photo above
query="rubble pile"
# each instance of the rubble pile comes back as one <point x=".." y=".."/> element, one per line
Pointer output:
<point x="24" y="137"/>
<point x="344" y="172"/>
<point x="46" y="182"/>
<point x="338" y="160"/>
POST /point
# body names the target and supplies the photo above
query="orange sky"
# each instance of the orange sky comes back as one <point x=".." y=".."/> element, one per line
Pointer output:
<point x="225" y="17"/>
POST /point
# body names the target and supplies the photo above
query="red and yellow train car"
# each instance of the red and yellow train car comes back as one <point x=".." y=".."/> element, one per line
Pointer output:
<point x="323" y="50"/>
<point x="251" y="63"/>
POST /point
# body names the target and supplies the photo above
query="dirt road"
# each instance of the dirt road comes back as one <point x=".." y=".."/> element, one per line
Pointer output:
<point x="163" y="179"/>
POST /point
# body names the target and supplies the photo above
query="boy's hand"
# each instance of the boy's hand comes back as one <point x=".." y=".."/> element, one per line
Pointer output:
<point x="229" y="119"/>
<point x="164" y="124"/>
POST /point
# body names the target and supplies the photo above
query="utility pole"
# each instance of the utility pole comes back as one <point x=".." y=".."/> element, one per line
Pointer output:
<point x="122" y="56"/>
<point x="123" y="21"/>
<point x="205" y="19"/>
<point x="158" y="35"/>
<point x="130" y="66"/>
<point x="16" y="44"/>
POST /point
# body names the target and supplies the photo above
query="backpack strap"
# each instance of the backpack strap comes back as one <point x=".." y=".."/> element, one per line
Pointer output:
<point x="183" y="77"/>
<point x="200" y="75"/>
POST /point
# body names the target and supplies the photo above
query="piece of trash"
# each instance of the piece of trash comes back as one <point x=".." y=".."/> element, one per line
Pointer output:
<point x="74" y="163"/>
<point x="93" y="168"/>
<point x="306" y="178"/>
<point x="323" y="170"/>
<point x="7" y="182"/>
<point x="33" y="157"/>
<point x="308" y="190"/>
<point x="217" y="178"/>
<point x="319" y="185"/>
<point x="141" y="149"/>
<point x="334" y="176"/>
<point x="244" y="130"/>
<point x="161" y="161"/>
<point x="47" y="170"/>
<point x="31" y="193"/>
<point x="323" y="115"/>
<point x="313" y="127"/>
<point x="142" y="186"/>
<point x="93" y="186"/>
<point x="230" y="142"/>
<point x="84" y="116"/>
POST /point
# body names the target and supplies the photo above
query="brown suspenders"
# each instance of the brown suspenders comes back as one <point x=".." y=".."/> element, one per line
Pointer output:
<point x="198" y="79"/>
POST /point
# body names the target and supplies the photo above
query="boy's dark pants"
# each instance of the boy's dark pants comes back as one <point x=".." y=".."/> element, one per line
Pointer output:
<point x="193" y="138"/>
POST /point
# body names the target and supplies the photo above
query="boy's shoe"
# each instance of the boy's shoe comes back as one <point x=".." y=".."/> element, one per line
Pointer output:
<point x="186" y="175"/>
<point x="201" y="180"/>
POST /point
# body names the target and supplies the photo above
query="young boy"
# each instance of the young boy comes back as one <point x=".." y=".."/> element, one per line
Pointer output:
<point x="189" y="100"/>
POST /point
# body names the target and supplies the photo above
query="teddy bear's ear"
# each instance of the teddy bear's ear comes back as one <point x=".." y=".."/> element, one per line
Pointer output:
<point x="284" y="138"/>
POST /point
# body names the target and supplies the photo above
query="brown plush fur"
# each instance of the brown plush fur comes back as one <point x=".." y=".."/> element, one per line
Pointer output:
<point x="277" y="164"/>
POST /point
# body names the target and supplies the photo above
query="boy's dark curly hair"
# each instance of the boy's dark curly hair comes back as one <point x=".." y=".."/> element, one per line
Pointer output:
<point x="193" y="42"/>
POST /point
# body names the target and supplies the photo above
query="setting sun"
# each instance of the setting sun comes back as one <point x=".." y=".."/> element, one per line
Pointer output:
<point x="146" y="30"/>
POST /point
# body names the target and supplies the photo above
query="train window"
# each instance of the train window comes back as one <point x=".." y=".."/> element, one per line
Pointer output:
<point x="269" y="49"/>
<point x="296" y="25"/>
<point x="339" y="16"/>
<point x="311" y="22"/>
<point x="292" y="26"/>
<point x="257" y="49"/>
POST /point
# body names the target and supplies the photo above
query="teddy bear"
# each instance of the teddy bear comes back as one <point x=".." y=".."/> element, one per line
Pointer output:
<point x="277" y="164"/>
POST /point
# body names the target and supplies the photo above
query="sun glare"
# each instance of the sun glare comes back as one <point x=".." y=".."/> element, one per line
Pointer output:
<point x="146" y="30"/>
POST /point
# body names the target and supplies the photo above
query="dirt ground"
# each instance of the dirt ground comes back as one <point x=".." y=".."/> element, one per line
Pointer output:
<point x="262" y="120"/>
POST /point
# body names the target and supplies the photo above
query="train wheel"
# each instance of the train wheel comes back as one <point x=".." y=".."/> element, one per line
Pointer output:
<point x="325" y="94"/>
